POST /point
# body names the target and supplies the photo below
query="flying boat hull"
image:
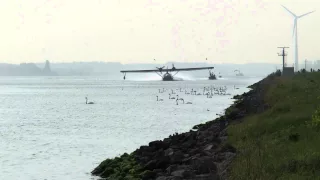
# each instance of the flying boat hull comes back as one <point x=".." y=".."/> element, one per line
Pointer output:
<point x="167" y="77"/>
<point x="212" y="77"/>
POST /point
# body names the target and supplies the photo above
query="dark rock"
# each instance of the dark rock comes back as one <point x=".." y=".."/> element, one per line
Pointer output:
<point x="184" y="173"/>
<point x="172" y="168"/>
<point x="168" y="152"/>
<point x="189" y="143"/>
<point x="195" y="151"/>
<point x="142" y="159"/>
<point x="160" y="153"/>
<point x="161" y="178"/>
<point x="163" y="162"/>
<point x="158" y="171"/>
<point x="145" y="149"/>
<point x="208" y="147"/>
<point x="204" y="165"/>
<point x="187" y="160"/>
<point x="175" y="147"/>
<point x="107" y="172"/>
<point x="206" y="177"/>
<point x="174" y="178"/>
<point x="176" y="157"/>
<point x="206" y="153"/>
<point x="146" y="175"/>
<point x="227" y="148"/>
<point x="159" y="144"/>
<point x="151" y="165"/>
<point x="223" y="138"/>
<point x="148" y="154"/>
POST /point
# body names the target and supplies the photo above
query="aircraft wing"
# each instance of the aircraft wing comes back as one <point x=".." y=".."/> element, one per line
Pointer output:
<point x="166" y="70"/>
<point x="140" y="71"/>
<point x="191" y="69"/>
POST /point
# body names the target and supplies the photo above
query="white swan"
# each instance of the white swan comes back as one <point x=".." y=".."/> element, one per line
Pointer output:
<point x="159" y="99"/>
<point x="88" y="102"/>
<point x="180" y="99"/>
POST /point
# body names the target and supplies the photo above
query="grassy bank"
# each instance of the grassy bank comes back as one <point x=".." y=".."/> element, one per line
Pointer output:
<point x="282" y="141"/>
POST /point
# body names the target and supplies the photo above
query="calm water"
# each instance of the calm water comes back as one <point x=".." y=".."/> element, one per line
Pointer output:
<point x="48" y="132"/>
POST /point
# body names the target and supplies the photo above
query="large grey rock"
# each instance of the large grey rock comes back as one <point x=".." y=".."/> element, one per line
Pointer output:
<point x="204" y="165"/>
<point x="206" y="177"/>
<point x="184" y="173"/>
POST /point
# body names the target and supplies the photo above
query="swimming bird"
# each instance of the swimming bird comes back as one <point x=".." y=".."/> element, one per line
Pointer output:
<point x="180" y="99"/>
<point x="159" y="99"/>
<point x="209" y="95"/>
<point x="171" y="97"/>
<point x="88" y="102"/>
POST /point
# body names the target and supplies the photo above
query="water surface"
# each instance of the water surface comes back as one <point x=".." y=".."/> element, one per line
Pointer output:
<point x="48" y="132"/>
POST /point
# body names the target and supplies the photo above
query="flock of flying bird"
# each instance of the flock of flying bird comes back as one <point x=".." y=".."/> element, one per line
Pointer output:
<point x="205" y="91"/>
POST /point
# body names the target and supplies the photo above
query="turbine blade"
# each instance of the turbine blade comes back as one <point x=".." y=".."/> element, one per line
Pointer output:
<point x="305" y="14"/>
<point x="289" y="11"/>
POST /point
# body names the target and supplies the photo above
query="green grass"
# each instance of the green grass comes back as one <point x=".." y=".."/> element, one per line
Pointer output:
<point x="283" y="142"/>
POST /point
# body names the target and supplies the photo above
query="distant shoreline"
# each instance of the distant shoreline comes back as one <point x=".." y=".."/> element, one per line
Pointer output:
<point x="107" y="68"/>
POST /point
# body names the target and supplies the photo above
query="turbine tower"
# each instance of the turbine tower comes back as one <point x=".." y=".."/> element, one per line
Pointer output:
<point x="295" y="36"/>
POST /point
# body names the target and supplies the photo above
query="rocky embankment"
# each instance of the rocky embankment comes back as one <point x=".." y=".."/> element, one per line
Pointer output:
<point x="202" y="153"/>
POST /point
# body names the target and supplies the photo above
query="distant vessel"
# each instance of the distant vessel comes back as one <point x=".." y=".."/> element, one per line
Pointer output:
<point x="238" y="73"/>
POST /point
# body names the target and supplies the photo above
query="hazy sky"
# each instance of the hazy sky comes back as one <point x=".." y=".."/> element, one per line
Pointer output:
<point x="132" y="31"/>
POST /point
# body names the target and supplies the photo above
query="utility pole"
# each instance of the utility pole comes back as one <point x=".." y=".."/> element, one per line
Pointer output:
<point x="283" y="54"/>
<point x="305" y="64"/>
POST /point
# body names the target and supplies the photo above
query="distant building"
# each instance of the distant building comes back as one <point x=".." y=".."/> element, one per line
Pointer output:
<point x="47" y="68"/>
<point x="288" y="71"/>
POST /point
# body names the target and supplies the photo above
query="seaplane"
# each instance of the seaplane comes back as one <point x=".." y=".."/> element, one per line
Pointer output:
<point x="169" y="73"/>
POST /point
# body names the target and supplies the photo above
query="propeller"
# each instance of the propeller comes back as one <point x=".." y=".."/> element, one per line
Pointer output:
<point x="160" y="67"/>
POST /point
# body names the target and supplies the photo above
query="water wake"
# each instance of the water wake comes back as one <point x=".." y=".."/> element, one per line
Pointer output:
<point x="145" y="77"/>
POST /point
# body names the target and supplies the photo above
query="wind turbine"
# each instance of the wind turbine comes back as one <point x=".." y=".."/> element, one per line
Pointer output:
<point x="295" y="36"/>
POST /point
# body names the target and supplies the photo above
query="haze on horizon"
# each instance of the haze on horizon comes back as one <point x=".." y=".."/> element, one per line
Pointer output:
<point x="166" y="30"/>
